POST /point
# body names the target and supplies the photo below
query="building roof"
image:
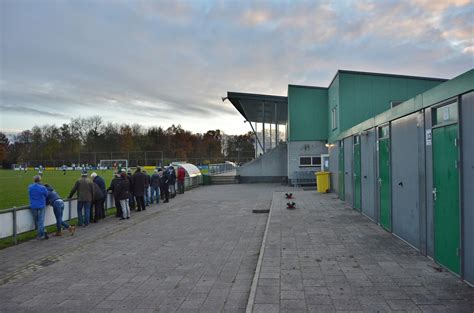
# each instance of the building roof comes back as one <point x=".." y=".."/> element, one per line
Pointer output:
<point x="386" y="75"/>
<point x="260" y="108"/>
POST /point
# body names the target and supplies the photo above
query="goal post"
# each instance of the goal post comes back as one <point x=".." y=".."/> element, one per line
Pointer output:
<point x="113" y="164"/>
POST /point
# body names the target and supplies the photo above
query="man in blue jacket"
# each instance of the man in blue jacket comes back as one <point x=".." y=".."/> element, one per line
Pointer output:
<point x="38" y="194"/>
<point x="57" y="203"/>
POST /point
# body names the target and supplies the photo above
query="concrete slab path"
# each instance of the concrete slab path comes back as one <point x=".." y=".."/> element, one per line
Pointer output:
<point x="197" y="253"/>
<point x="326" y="257"/>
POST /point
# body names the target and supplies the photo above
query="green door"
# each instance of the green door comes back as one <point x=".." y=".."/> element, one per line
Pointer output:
<point x="446" y="197"/>
<point x="357" y="176"/>
<point x="384" y="179"/>
<point x="341" y="170"/>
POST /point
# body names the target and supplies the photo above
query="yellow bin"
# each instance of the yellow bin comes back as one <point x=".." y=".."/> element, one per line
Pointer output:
<point x="322" y="181"/>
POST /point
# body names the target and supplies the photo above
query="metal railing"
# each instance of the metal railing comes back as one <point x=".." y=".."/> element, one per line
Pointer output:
<point x="220" y="168"/>
<point x="17" y="220"/>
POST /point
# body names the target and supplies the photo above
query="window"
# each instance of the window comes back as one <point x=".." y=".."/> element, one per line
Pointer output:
<point x="334" y="117"/>
<point x="310" y="160"/>
<point x="384" y="132"/>
<point x="446" y="114"/>
<point x="394" y="103"/>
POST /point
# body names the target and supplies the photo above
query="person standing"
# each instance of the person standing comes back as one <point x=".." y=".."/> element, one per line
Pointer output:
<point x="180" y="177"/>
<point x="138" y="187"/>
<point x="155" y="186"/>
<point x="37" y="194"/>
<point x="99" y="206"/>
<point x="172" y="181"/>
<point x="122" y="187"/>
<point x="85" y="195"/>
<point x="165" y="186"/>
<point x="131" y="199"/>
<point x="57" y="203"/>
<point x="147" y="188"/>
<point x="113" y="188"/>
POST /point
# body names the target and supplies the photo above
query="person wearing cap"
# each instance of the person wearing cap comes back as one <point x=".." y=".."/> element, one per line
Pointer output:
<point x="37" y="194"/>
<point x="155" y="186"/>
<point x="85" y="194"/>
<point x="53" y="199"/>
<point x="100" y="197"/>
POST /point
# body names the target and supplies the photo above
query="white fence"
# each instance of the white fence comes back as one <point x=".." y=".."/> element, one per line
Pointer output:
<point x="17" y="220"/>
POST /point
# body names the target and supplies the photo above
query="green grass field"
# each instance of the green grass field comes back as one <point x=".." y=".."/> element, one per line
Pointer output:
<point x="14" y="184"/>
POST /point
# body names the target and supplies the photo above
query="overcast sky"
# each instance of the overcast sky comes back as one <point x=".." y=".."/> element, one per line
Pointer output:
<point x="163" y="62"/>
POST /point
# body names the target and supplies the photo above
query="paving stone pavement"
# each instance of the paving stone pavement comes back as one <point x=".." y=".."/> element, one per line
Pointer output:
<point x="197" y="253"/>
<point x="326" y="257"/>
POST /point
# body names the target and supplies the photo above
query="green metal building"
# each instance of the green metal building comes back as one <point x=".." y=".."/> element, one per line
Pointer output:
<point x="400" y="150"/>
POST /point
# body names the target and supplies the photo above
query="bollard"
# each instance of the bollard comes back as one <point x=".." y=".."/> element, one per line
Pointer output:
<point x="15" y="239"/>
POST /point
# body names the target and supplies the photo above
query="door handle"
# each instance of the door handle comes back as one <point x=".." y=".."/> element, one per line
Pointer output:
<point x="380" y="181"/>
<point x="435" y="193"/>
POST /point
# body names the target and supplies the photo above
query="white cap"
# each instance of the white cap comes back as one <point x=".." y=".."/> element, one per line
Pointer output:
<point x="93" y="175"/>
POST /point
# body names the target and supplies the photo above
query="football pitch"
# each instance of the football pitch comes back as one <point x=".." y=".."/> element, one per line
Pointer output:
<point x="14" y="184"/>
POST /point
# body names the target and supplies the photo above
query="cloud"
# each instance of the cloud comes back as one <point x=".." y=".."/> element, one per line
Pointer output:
<point x="30" y="111"/>
<point x="170" y="61"/>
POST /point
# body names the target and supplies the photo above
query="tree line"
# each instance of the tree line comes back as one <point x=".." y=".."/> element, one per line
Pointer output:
<point x="87" y="140"/>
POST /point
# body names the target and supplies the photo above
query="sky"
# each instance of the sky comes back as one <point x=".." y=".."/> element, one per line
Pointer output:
<point x="158" y="63"/>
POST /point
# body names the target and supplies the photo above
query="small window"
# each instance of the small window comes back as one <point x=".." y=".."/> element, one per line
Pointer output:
<point x="446" y="114"/>
<point x="356" y="140"/>
<point x="305" y="161"/>
<point x="334" y="117"/>
<point x="316" y="161"/>
<point x="395" y="103"/>
<point x="310" y="160"/>
<point x="384" y="132"/>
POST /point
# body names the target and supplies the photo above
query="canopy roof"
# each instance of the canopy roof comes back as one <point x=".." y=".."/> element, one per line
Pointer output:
<point x="260" y="108"/>
<point x="191" y="169"/>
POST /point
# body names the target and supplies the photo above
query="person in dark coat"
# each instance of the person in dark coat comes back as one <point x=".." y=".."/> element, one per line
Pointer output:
<point x="123" y="193"/>
<point x="147" y="188"/>
<point x="113" y="188"/>
<point x="155" y="181"/>
<point x="131" y="199"/>
<point x="172" y="181"/>
<point x="99" y="181"/>
<point x="165" y="184"/>
<point x="138" y="188"/>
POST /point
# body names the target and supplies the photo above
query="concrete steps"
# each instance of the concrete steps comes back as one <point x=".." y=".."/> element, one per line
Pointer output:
<point x="224" y="180"/>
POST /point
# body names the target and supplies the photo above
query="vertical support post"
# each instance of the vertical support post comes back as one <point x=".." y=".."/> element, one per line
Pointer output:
<point x="263" y="128"/>
<point x="15" y="239"/>
<point x="95" y="158"/>
<point x="276" y="125"/>
<point x="256" y="140"/>
<point x="270" y="135"/>
<point x="69" y="209"/>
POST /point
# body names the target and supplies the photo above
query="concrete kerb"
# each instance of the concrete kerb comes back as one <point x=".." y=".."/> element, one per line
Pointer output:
<point x="253" y="288"/>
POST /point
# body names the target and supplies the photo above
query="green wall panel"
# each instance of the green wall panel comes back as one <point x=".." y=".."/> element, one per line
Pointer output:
<point x="363" y="96"/>
<point x="307" y="113"/>
<point x="458" y="85"/>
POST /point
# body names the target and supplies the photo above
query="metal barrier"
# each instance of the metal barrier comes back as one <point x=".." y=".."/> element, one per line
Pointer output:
<point x="301" y="178"/>
<point x="221" y="168"/>
<point x="18" y="220"/>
